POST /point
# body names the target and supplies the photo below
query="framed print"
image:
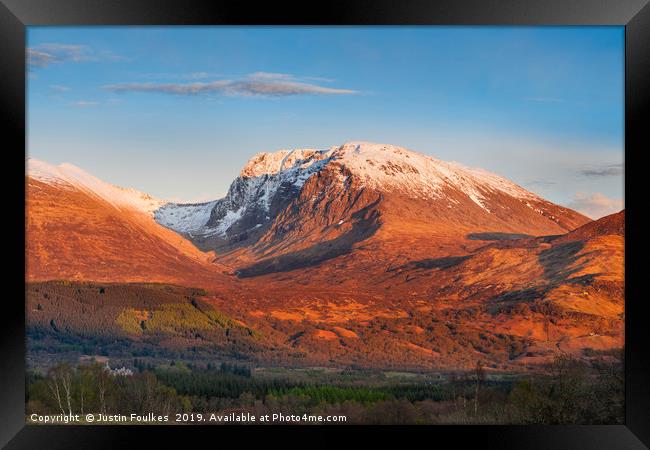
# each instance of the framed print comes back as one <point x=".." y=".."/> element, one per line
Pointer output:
<point x="374" y="218"/>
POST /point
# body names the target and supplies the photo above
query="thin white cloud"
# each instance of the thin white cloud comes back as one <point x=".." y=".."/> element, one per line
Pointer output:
<point x="595" y="205"/>
<point x="271" y="76"/>
<point x="544" y="99"/>
<point x="276" y="76"/>
<point x="44" y="55"/>
<point x="107" y="55"/>
<point x="607" y="170"/>
<point x="177" y="76"/>
<point x="263" y="84"/>
<point x="36" y="58"/>
<point x="282" y="88"/>
<point x="85" y="103"/>
<point x="197" y="75"/>
<point x="59" y="88"/>
<point x="170" y="88"/>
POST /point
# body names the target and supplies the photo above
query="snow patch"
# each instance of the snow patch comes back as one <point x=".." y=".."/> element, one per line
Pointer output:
<point x="184" y="218"/>
<point x="229" y="219"/>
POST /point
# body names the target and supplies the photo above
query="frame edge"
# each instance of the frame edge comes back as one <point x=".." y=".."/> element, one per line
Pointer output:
<point x="12" y="116"/>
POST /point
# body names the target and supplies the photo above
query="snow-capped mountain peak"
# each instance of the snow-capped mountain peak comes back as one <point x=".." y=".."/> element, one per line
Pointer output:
<point x="70" y="176"/>
<point x="270" y="180"/>
<point x="392" y="168"/>
<point x="264" y="186"/>
<point x="279" y="193"/>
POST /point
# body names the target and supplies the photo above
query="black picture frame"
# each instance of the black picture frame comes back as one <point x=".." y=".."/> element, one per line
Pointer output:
<point x="15" y="15"/>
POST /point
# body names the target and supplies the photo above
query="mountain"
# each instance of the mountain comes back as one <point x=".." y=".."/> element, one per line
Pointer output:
<point x="360" y="255"/>
<point x="81" y="228"/>
<point x="293" y="209"/>
<point x="512" y="303"/>
<point x="265" y="186"/>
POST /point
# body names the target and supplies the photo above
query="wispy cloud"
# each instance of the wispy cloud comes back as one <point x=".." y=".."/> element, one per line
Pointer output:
<point x="284" y="88"/>
<point x="264" y="84"/>
<point x="59" y="88"/>
<point x="275" y="76"/>
<point x="85" y="103"/>
<point x="608" y="170"/>
<point x="37" y="58"/>
<point x="544" y="99"/>
<point x="271" y="76"/>
<point x="170" y="88"/>
<point x="595" y="205"/>
<point x="45" y="54"/>
<point x="91" y="103"/>
<point x="177" y="76"/>
<point x="195" y="75"/>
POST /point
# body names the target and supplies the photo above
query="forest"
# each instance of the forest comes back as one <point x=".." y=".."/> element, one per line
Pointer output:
<point x="163" y="349"/>
<point x="570" y="392"/>
<point x="68" y="319"/>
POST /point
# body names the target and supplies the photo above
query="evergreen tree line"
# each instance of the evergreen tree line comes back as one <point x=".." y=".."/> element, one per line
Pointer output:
<point x="572" y="391"/>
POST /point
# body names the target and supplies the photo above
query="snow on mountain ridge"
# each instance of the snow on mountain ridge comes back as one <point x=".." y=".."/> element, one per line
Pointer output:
<point x="70" y="175"/>
<point x="253" y="192"/>
<point x="389" y="167"/>
<point x="393" y="168"/>
<point x="270" y="177"/>
<point x="271" y="163"/>
<point x="269" y="180"/>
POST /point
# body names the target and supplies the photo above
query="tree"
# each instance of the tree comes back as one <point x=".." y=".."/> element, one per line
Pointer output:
<point x="453" y="379"/>
<point x="53" y="385"/>
<point x="85" y="380"/>
<point x="60" y="383"/>
<point x="103" y="377"/>
<point x="479" y="376"/>
<point x="66" y="374"/>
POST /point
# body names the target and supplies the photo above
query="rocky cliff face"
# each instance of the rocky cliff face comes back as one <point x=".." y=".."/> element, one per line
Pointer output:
<point x="264" y="188"/>
<point x="310" y="205"/>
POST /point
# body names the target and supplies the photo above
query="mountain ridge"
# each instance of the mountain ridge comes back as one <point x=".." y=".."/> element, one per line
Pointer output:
<point x="350" y="273"/>
<point x="81" y="228"/>
<point x="67" y="174"/>
<point x="270" y="183"/>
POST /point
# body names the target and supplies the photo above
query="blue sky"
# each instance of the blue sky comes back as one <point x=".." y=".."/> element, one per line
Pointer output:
<point x="177" y="111"/>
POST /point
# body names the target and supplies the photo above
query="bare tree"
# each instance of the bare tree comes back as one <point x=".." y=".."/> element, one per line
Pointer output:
<point x="102" y="381"/>
<point x="85" y="379"/>
<point x="65" y="375"/>
<point x="60" y="383"/>
<point x="53" y="385"/>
